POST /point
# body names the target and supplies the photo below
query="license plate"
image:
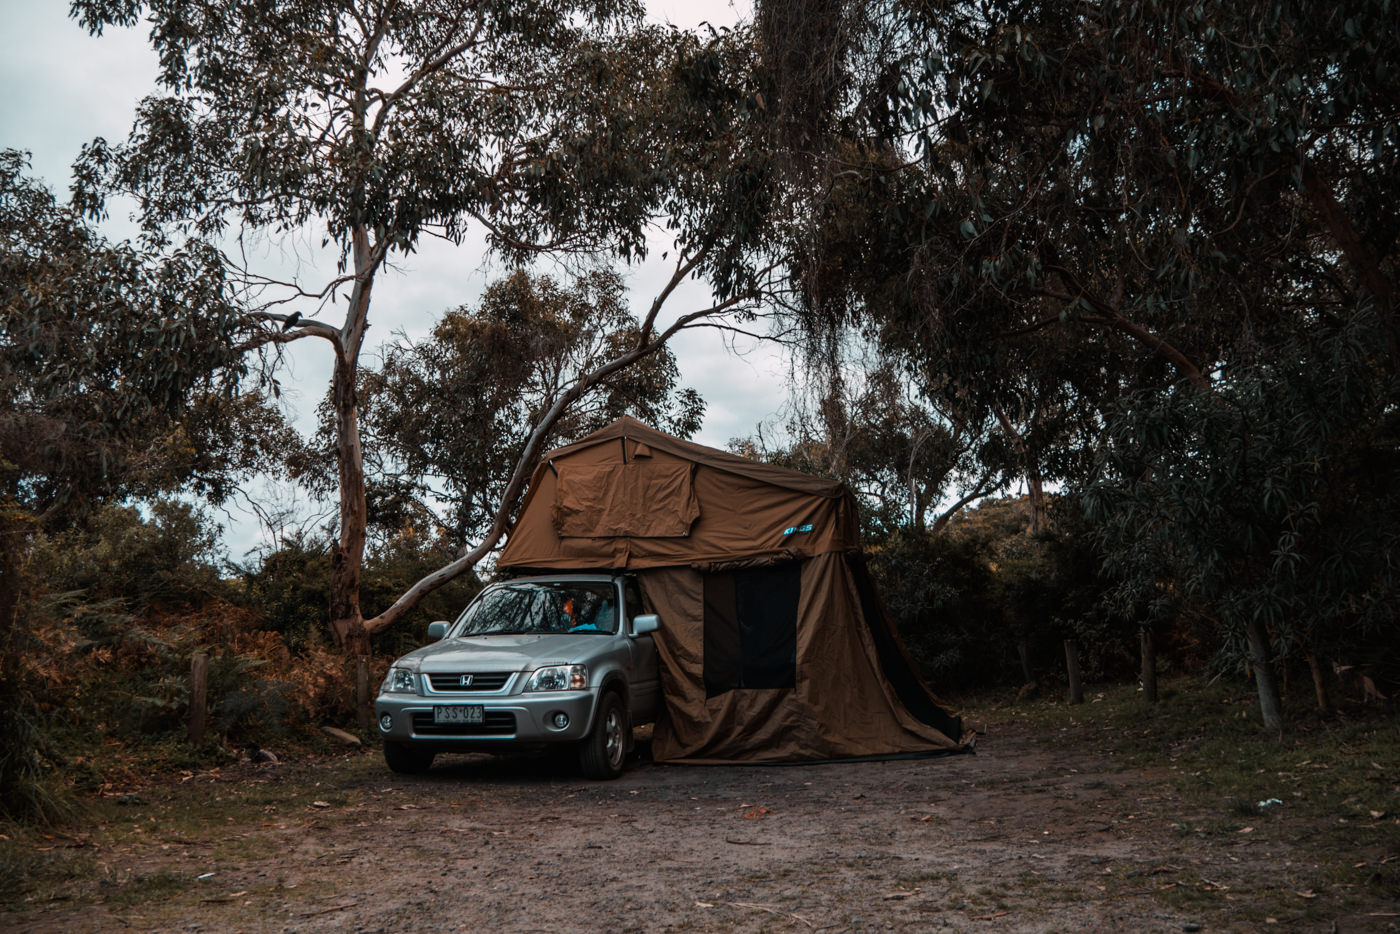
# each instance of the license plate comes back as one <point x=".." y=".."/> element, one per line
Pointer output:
<point x="458" y="714"/>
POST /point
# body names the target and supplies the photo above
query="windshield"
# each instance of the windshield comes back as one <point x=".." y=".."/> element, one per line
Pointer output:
<point x="541" y="607"/>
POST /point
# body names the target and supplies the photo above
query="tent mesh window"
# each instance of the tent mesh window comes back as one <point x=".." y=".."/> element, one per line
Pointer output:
<point x="751" y="628"/>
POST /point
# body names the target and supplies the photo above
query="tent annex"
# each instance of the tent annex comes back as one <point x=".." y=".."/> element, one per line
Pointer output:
<point x="774" y="646"/>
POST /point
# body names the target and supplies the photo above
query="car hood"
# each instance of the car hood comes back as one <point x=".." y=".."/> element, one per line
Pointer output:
<point x="504" y="653"/>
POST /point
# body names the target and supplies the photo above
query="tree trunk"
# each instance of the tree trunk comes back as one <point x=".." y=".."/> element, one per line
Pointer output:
<point x="15" y="529"/>
<point x="1261" y="661"/>
<point x="348" y="557"/>
<point x="1023" y="649"/>
<point x="1148" y="648"/>
<point x="1319" y="679"/>
<point x="199" y="696"/>
<point x="1076" y="689"/>
<point x="362" y="711"/>
<point x="1036" y="488"/>
<point x="12" y="544"/>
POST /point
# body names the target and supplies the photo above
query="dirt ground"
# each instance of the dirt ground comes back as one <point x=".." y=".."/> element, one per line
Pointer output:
<point x="1022" y="836"/>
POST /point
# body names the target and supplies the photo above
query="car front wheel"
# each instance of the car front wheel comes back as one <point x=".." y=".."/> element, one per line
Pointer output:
<point x="407" y="760"/>
<point x="602" y="754"/>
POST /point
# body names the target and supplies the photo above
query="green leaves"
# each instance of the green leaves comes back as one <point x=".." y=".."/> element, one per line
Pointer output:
<point x="103" y="345"/>
<point x="447" y="418"/>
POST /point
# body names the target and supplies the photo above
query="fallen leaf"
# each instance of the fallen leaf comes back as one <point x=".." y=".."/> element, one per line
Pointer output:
<point x="1246" y="830"/>
<point x="1378" y="814"/>
<point x="320" y="804"/>
<point x="1307" y="894"/>
<point x="704" y="905"/>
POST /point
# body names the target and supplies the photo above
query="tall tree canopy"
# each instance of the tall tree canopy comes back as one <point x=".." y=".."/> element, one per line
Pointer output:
<point x="102" y="346"/>
<point x="561" y="127"/>
<point x="448" y="417"/>
<point x="1141" y="214"/>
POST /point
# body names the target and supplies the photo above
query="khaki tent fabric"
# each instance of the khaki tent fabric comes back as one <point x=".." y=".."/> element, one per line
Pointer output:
<point x="640" y="499"/>
<point x="686" y="518"/>
<point x="842" y="705"/>
<point x="734" y="508"/>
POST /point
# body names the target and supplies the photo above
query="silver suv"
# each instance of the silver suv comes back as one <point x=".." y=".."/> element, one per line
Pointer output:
<point x="537" y="660"/>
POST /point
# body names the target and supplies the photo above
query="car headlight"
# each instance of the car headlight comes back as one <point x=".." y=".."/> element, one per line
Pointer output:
<point x="558" y="678"/>
<point x="400" y="681"/>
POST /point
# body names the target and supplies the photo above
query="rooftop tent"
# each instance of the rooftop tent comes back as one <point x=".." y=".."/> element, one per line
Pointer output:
<point x="774" y="644"/>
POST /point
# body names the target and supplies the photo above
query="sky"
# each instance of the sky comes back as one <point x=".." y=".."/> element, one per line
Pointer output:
<point x="64" y="87"/>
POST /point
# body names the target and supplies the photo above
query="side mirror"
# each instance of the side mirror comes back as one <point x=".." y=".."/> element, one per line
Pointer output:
<point x="437" y="630"/>
<point x="647" y="622"/>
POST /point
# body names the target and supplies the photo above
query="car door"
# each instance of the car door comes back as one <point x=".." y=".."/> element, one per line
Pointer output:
<point x="645" y="672"/>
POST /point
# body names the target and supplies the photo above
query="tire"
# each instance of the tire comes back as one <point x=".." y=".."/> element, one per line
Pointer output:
<point x="603" y="754"/>
<point x="407" y="760"/>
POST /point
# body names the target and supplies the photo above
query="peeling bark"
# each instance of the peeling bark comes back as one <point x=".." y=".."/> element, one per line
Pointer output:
<point x="347" y="559"/>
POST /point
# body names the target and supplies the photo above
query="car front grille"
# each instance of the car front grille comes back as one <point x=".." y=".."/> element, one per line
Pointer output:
<point x="498" y="723"/>
<point x="452" y="682"/>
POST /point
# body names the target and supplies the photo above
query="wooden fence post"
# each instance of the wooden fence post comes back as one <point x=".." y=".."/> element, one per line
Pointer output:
<point x="1319" y="678"/>
<point x="1149" y="664"/>
<point x="362" y="691"/>
<point x="199" y="695"/>
<point x="1076" y="689"/>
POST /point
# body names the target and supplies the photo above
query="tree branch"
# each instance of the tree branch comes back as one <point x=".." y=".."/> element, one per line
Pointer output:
<point x="979" y="491"/>
<point x="525" y="464"/>
<point x="1110" y="317"/>
<point x="1353" y="246"/>
<point x="683" y="269"/>
<point x="267" y="337"/>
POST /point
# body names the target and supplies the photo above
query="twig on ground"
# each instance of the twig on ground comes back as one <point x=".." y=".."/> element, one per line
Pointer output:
<point x="786" y="914"/>
<point x="326" y="911"/>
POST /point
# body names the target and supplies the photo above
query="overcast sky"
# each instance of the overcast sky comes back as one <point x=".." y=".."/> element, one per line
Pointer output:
<point x="63" y="87"/>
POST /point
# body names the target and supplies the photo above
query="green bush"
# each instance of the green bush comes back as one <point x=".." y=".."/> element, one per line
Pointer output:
<point x="289" y="587"/>
<point x="966" y="600"/>
<point x="163" y="553"/>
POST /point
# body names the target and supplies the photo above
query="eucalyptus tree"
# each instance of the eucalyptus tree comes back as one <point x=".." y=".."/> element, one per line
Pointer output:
<point x="913" y="464"/>
<point x="1170" y="204"/>
<point x="102" y="347"/>
<point x="559" y="127"/>
<point x="447" y="417"/>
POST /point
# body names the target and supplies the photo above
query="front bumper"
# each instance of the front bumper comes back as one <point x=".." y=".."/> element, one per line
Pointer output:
<point x="507" y="719"/>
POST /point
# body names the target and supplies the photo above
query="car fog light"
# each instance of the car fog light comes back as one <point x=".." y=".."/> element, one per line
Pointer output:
<point x="561" y="720"/>
<point x="386" y="723"/>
